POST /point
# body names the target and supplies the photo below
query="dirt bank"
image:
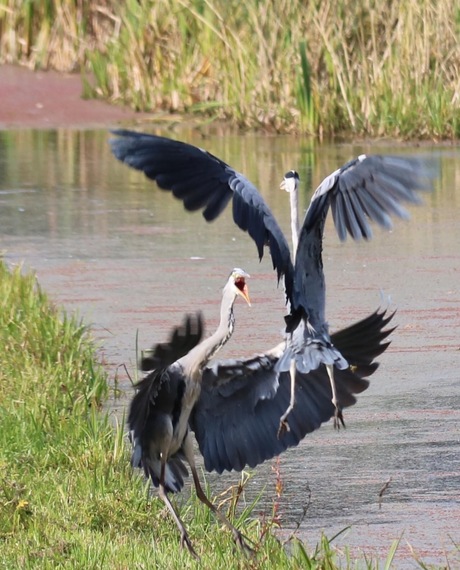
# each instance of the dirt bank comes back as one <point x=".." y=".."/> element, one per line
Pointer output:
<point x="47" y="99"/>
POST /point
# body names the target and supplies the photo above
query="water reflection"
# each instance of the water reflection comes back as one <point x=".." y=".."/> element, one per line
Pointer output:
<point x="125" y="256"/>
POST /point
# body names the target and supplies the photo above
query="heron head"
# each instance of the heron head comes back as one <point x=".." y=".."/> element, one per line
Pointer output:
<point x="238" y="281"/>
<point x="290" y="181"/>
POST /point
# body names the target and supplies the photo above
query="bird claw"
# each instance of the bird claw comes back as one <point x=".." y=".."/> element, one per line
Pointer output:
<point x="283" y="428"/>
<point x="240" y="540"/>
<point x="185" y="541"/>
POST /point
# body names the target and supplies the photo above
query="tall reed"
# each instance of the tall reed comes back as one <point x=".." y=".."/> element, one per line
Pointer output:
<point x="371" y="68"/>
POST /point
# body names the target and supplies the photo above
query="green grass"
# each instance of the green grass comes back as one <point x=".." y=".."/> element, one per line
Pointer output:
<point x="68" y="496"/>
<point x="321" y="68"/>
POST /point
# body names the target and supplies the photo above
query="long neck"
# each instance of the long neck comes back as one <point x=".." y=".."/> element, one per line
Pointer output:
<point x="198" y="357"/>
<point x="294" y="202"/>
<point x="224" y="331"/>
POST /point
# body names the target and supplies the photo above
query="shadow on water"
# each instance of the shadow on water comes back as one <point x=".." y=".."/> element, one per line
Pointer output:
<point x="125" y="256"/>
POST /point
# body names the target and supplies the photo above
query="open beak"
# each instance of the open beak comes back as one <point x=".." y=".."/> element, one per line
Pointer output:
<point x="244" y="292"/>
<point x="288" y="184"/>
<point x="239" y="276"/>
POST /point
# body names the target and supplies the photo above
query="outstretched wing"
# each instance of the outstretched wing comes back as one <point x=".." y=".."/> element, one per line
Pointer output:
<point x="203" y="181"/>
<point x="371" y="188"/>
<point x="361" y="342"/>
<point x="236" y="419"/>
<point x="367" y="189"/>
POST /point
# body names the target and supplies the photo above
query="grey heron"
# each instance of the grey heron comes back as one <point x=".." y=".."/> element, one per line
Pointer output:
<point x="160" y="410"/>
<point x="233" y="406"/>
<point x="366" y="189"/>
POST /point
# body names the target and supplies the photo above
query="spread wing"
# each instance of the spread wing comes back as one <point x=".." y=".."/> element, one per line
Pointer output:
<point x="371" y="189"/>
<point x="182" y="339"/>
<point x="367" y="189"/>
<point x="236" y="419"/>
<point x="204" y="182"/>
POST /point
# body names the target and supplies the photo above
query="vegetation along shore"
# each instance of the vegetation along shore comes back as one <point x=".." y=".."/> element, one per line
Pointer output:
<point x="320" y="68"/>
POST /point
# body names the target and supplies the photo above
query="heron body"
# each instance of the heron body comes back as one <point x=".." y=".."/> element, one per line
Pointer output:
<point x="160" y="410"/>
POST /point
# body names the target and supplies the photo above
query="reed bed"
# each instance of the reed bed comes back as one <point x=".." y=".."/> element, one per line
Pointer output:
<point x="322" y="68"/>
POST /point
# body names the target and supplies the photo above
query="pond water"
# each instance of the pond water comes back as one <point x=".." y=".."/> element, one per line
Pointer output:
<point x="109" y="245"/>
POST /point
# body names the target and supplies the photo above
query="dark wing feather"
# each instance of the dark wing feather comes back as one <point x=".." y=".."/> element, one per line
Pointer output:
<point x="367" y="189"/>
<point x="236" y="419"/>
<point x="372" y="328"/>
<point x="182" y="340"/>
<point x="234" y="432"/>
<point x="371" y="188"/>
<point x="203" y="181"/>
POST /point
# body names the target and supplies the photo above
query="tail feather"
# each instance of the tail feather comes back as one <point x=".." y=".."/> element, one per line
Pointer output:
<point x="311" y="356"/>
<point x="174" y="473"/>
<point x="356" y="346"/>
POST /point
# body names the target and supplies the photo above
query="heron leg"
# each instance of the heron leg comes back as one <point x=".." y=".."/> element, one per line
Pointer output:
<point x="190" y="457"/>
<point x="338" y="417"/>
<point x="284" y="426"/>
<point x="184" y="538"/>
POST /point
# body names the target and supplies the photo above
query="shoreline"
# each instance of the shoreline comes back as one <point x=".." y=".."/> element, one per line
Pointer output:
<point x="49" y="99"/>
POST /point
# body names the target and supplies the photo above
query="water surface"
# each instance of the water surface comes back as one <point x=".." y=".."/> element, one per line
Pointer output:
<point x="109" y="245"/>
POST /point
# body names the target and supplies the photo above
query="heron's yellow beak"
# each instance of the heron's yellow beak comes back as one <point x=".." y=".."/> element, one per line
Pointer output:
<point x="288" y="184"/>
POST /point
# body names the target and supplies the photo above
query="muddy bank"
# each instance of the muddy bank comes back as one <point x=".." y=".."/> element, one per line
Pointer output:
<point x="47" y="99"/>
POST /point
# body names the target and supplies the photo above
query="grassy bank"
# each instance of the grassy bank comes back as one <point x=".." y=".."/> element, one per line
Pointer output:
<point x="369" y="68"/>
<point x="68" y="497"/>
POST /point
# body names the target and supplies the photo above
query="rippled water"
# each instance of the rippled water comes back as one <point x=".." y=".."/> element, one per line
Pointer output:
<point x="108" y="244"/>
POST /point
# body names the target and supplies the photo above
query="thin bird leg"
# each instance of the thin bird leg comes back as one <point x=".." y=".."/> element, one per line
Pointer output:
<point x="237" y="536"/>
<point x="284" y="426"/>
<point x="184" y="538"/>
<point x="338" y="417"/>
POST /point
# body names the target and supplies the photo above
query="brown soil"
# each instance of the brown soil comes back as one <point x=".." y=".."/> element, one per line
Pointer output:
<point x="47" y="99"/>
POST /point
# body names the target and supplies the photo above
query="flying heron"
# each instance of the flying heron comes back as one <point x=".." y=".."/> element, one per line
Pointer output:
<point x="368" y="188"/>
<point x="233" y="406"/>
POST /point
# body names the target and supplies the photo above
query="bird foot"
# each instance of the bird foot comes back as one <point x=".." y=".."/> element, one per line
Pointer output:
<point x="185" y="542"/>
<point x="241" y="542"/>
<point x="338" y="418"/>
<point x="283" y="428"/>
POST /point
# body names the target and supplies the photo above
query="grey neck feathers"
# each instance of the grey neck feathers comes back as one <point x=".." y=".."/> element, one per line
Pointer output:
<point x="197" y="358"/>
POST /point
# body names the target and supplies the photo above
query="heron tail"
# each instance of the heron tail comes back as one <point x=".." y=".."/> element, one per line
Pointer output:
<point x="311" y="356"/>
<point x="174" y="473"/>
